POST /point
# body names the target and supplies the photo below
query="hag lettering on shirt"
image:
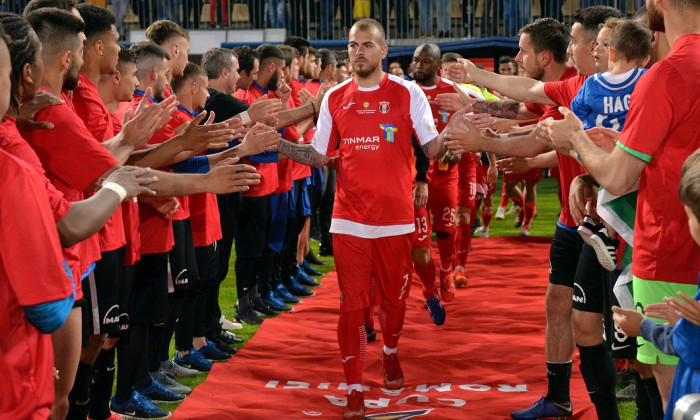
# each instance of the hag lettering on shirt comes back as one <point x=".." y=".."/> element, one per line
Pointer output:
<point x="375" y="153"/>
<point x="604" y="99"/>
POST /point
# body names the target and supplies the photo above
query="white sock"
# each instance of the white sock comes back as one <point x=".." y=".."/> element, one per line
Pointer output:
<point x="354" y="387"/>
<point x="387" y="350"/>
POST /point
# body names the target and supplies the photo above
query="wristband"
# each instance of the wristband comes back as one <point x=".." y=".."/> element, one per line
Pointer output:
<point x="121" y="192"/>
<point x="314" y="107"/>
<point x="245" y="117"/>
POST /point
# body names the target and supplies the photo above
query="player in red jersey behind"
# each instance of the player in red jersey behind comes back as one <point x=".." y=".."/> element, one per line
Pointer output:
<point x="373" y="211"/>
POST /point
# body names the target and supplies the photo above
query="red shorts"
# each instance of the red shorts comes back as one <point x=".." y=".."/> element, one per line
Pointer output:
<point x="421" y="236"/>
<point x="442" y="202"/>
<point x="466" y="189"/>
<point x="534" y="174"/>
<point x="357" y="259"/>
<point x="482" y="184"/>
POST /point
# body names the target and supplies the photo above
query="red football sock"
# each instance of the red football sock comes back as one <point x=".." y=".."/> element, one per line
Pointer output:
<point x="464" y="242"/>
<point x="486" y="216"/>
<point x="427" y="277"/>
<point x="504" y="196"/>
<point x="391" y="320"/>
<point x="447" y="253"/>
<point x="530" y="211"/>
<point x="518" y="201"/>
<point x="352" y="340"/>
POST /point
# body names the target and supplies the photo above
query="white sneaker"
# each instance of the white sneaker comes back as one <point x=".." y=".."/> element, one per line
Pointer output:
<point x="485" y="232"/>
<point x="500" y="213"/>
<point x="513" y="209"/>
<point x="478" y="232"/>
<point x="228" y="325"/>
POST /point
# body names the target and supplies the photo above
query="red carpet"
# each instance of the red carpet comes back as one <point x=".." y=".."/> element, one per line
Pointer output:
<point x="485" y="361"/>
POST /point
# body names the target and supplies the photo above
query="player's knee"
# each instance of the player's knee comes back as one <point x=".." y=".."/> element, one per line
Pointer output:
<point x="588" y="328"/>
<point x="420" y="256"/>
<point x="443" y="235"/>
<point x="558" y="301"/>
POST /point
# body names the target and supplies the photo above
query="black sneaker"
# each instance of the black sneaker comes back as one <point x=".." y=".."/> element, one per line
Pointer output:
<point x="248" y="317"/>
<point x="226" y="337"/>
<point x="312" y="259"/>
<point x="605" y="248"/>
<point x="222" y="346"/>
<point x="259" y="306"/>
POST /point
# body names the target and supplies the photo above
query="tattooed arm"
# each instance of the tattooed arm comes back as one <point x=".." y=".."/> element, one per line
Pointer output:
<point x="302" y="153"/>
<point x="506" y="108"/>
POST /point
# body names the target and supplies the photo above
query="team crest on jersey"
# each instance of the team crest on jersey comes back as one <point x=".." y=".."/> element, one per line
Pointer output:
<point x="389" y="131"/>
<point x="444" y="116"/>
<point x="384" y="107"/>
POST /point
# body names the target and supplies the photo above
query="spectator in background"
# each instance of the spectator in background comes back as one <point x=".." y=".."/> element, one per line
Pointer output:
<point x="194" y="6"/>
<point x="516" y="14"/>
<point x="402" y="22"/>
<point x="169" y="10"/>
<point x="507" y="66"/>
<point x="443" y="17"/>
<point x="277" y="15"/>
<point x="492" y="10"/>
<point x="324" y="30"/>
<point x="299" y="24"/>
<point x="362" y="9"/>
<point x="552" y="9"/>
<point x="219" y="17"/>
<point x="396" y="69"/>
<point x="346" y="13"/>
<point x="121" y="9"/>
<point x="341" y="71"/>
<point x="146" y="10"/>
<point x="425" y="9"/>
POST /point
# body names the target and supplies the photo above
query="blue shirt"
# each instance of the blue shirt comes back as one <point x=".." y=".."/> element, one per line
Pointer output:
<point x="604" y="99"/>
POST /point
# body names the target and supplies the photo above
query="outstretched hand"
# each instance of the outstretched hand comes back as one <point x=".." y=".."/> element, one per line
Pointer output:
<point x="265" y="110"/>
<point x="134" y="180"/>
<point x="628" y="320"/>
<point x="559" y="134"/>
<point x="463" y="136"/>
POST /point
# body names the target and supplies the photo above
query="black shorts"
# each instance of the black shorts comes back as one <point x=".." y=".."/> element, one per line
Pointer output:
<point x="84" y="332"/>
<point x="182" y="263"/>
<point x="563" y="256"/>
<point x="589" y="283"/>
<point x="150" y="289"/>
<point x="101" y="290"/>
<point x="622" y="346"/>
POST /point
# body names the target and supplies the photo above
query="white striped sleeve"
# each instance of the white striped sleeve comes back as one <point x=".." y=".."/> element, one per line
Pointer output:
<point x="324" y="128"/>
<point x="421" y="115"/>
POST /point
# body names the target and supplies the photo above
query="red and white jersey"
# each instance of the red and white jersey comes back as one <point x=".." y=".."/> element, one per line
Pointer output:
<point x="372" y="129"/>
<point x="441" y="118"/>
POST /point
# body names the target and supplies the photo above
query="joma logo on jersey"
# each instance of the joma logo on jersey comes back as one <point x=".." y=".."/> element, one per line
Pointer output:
<point x="444" y="116"/>
<point x="389" y="131"/>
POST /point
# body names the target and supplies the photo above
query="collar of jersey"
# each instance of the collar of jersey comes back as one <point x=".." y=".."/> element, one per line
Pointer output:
<point x="142" y="93"/>
<point x="183" y="109"/>
<point x="262" y="89"/>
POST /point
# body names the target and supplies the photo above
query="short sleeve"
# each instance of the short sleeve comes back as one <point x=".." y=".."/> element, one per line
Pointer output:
<point x="562" y="91"/>
<point x="579" y="106"/>
<point x="30" y="251"/>
<point x="651" y="113"/>
<point x="326" y="138"/>
<point x="535" y="108"/>
<point x="92" y="113"/>
<point x="69" y="151"/>
<point x="421" y="115"/>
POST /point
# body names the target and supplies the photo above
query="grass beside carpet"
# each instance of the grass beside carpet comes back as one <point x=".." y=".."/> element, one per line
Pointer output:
<point x="548" y="209"/>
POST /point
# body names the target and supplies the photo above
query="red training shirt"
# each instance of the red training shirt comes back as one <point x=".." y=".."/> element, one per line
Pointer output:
<point x="373" y="128"/>
<point x="663" y="129"/>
